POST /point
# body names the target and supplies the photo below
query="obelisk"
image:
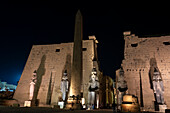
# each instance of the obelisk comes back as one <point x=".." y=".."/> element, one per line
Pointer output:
<point x="76" y="72"/>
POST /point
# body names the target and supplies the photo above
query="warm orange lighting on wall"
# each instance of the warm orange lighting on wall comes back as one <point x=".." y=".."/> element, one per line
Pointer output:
<point x="71" y="92"/>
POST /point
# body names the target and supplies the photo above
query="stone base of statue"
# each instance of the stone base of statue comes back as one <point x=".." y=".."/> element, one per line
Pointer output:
<point x="162" y="108"/>
<point x="61" y="104"/>
<point x="27" y="103"/>
<point x="31" y="103"/>
<point x="73" y="104"/>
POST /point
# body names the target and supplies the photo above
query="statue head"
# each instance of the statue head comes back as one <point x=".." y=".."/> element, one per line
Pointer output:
<point x="156" y="75"/>
<point x="93" y="75"/>
<point x="34" y="73"/>
<point x="94" y="71"/>
<point x="65" y="75"/>
<point x="34" y="77"/>
<point x="121" y="72"/>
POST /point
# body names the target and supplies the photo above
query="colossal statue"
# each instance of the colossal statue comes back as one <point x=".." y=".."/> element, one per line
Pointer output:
<point x="158" y="87"/>
<point x="121" y="86"/>
<point x="32" y="84"/>
<point x="64" y="85"/>
<point x="93" y="88"/>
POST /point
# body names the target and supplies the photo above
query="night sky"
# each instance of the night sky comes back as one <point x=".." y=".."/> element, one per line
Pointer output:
<point x="25" y="24"/>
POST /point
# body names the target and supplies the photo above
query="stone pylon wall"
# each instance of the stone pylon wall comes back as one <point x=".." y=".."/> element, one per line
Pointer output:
<point x="51" y="61"/>
<point x="138" y="54"/>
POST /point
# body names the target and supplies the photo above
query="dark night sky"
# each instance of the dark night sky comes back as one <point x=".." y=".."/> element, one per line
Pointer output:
<point x="24" y="24"/>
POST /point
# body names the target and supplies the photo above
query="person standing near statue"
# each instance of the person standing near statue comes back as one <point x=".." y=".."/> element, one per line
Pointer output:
<point x="32" y="84"/>
<point x="64" y="85"/>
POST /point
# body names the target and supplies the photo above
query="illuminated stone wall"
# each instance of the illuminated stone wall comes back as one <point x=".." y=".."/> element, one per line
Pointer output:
<point x="138" y="54"/>
<point x="51" y="61"/>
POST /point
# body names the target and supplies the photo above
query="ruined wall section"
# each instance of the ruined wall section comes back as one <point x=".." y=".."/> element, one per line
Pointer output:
<point x="138" y="53"/>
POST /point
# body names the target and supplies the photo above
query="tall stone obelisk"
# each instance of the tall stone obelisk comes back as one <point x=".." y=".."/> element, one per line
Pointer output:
<point x="76" y="72"/>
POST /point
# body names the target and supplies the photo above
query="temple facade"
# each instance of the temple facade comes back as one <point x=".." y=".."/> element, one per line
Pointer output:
<point x="146" y="70"/>
<point x="50" y="62"/>
<point x="60" y="72"/>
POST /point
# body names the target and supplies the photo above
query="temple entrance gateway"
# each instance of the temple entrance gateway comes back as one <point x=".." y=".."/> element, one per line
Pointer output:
<point x="145" y="65"/>
<point x="54" y="84"/>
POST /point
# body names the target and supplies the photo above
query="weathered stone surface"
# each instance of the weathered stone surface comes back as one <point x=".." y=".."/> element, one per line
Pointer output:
<point x="138" y="53"/>
<point x="162" y="108"/>
<point x="51" y="61"/>
<point x="76" y="73"/>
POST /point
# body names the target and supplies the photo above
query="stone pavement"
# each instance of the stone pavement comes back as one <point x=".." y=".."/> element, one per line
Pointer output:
<point x="48" y="110"/>
<point x="52" y="110"/>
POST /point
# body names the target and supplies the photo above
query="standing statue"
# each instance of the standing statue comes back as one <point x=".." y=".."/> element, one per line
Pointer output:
<point x="122" y="84"/>
<point x="93" y="87"/>
<point x="158" y="87"/>
<point x="32" y="84"/>
<point x="64" y="85"/>
<point x="122" y="87"/>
